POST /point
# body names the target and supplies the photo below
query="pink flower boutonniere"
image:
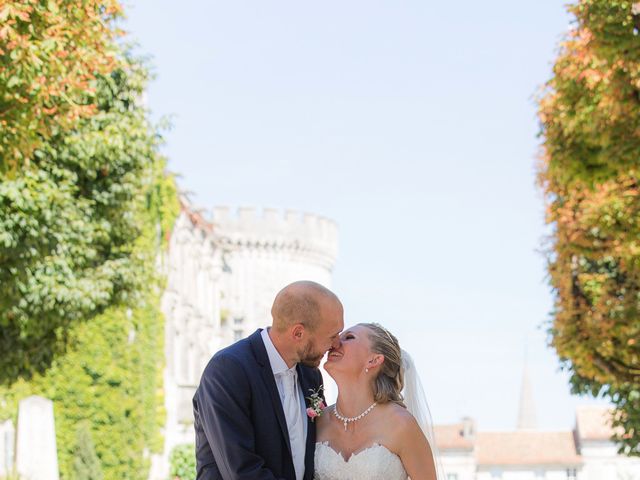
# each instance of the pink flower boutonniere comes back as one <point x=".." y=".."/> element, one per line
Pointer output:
<point x="316" y="404"/>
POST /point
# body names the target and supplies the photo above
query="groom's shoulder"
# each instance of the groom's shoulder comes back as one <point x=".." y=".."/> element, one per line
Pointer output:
<point x="239" y="353"/>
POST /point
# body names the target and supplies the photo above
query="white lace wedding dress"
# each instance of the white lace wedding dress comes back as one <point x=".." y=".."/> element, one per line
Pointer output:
<point x="373" y="463"/>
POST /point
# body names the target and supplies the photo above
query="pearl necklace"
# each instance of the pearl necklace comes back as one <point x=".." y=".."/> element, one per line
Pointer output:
<point x="346" y="420"/>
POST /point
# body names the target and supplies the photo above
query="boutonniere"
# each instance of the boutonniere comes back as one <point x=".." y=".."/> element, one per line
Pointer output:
<point x="316" y="404"/>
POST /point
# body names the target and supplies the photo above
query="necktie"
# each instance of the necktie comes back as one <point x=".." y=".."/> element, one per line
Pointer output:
<point x="292" y="412"/>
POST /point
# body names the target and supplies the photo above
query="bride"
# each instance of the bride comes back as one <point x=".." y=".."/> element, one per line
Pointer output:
<point x="369" y="433"/>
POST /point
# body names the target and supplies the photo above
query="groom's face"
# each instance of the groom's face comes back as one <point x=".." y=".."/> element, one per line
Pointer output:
<point x="324" y="337"/>
<point x="311" y="355"/>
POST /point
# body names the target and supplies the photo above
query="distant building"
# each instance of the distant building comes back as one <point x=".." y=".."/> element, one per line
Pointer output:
<point x="586" y="453"/>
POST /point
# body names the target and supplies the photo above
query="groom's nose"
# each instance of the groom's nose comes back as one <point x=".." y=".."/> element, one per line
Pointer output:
<point x="336" y="343"/>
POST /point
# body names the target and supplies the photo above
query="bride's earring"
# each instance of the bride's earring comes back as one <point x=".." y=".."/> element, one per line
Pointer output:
<point x="366" y="370"/>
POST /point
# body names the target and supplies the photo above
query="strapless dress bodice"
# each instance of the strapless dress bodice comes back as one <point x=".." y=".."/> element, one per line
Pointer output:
<point x="376" y="462"/>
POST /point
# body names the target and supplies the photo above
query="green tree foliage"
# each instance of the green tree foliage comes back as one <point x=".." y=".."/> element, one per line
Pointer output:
<point x="111" y="374"/>
<point x="590" y="172"/>
<point x="183" y="463"/>
<point x="69" y="224"/>
<point x="82" y="223"/>
<point x="50" y="54"/>
<point x="86" y="465"/>
<point x="591" y="112"/>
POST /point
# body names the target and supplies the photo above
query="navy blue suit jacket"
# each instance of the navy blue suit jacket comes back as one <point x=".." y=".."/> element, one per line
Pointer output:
<point x="241" y="431"/>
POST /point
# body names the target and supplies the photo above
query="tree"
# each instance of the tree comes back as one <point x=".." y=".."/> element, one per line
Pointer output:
<point x="69" y="223"/>
<point x="590" y="173"/>
<point x="67" y="188"/>
<point x="85" y="204"/>
<point x="107" y="368"/>
<point x="50" y="54"/>
<point x="86" y="465"/>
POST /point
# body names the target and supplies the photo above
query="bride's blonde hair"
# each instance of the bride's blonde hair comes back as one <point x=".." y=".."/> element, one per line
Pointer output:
<point x="389" y="382"/>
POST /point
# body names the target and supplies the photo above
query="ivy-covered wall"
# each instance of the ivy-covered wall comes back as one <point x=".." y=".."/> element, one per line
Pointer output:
<point x="111" y="376"/>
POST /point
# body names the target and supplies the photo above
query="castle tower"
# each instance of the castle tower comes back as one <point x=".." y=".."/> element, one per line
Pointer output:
<point x="527" y="412"/>
<point x="263" y="252"/>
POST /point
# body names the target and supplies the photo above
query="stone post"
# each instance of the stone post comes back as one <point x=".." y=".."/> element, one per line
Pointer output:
<point x="7" y="447"/>
<point x="36" y="454"/>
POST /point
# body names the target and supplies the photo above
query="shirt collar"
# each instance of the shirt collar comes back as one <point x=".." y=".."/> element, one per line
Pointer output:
<point x="278" y="365"/>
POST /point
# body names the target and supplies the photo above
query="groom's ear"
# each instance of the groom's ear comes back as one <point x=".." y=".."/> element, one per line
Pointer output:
<point x="298" y="331"/>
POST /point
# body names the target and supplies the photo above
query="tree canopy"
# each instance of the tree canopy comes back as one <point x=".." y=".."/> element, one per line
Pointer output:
<point x="78" y="156"/>
<point x="590" y="173"/>
<point x="68" y="224"/>
<point x="50" y="54"/>
<point x="85" y="204"/>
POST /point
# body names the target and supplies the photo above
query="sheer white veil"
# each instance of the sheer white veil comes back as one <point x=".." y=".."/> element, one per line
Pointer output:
<point x="416" y="402"/>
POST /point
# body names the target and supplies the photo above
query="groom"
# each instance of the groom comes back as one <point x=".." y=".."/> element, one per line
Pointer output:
<point x="250" y="410"/>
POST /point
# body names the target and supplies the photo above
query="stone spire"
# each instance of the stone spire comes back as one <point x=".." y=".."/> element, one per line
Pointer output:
<point x="527" y="411"/>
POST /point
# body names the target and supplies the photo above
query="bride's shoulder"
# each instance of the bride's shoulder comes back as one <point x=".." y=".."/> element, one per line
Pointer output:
<point x="402" y="422"/>
<point x="397" y="412"/>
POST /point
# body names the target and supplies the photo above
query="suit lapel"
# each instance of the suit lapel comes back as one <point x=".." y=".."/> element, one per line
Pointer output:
<point x="262" y="358"/>
<point x="307" y="383"/>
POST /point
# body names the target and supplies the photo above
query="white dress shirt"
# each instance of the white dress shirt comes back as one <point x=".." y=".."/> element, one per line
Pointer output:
<point x="293" y="403"/>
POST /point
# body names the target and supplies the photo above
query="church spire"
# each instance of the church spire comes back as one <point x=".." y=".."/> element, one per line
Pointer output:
<point x="527" y="412"/>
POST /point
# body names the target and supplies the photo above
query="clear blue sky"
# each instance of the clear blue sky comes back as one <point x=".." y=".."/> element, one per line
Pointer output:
<point x="410" y="123"/>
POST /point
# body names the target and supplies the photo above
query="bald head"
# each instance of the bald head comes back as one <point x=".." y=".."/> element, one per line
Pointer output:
<point x="302" y="302"/>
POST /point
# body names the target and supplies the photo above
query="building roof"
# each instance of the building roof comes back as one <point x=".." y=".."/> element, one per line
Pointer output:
<point x="451" y="437"/>
<point x="593" y="422"/>
<point x="195" y="216"/>
<point x="526" y="448"/>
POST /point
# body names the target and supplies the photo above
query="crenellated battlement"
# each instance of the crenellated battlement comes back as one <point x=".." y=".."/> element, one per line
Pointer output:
<point x="272" y="228"/>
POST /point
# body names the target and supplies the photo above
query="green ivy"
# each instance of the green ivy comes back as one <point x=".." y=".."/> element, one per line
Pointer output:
<point x="183" y="463"/>
<point x="86" y="465"/>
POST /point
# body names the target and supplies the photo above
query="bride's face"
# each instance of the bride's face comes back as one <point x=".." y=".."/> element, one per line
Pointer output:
<point x="353" y="354"/>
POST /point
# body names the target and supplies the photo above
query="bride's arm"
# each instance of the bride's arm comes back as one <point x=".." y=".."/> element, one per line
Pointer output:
<point x="415" y="451"/>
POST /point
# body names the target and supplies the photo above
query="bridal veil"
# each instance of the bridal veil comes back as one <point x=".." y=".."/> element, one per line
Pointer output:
<point x="416" y="402"/>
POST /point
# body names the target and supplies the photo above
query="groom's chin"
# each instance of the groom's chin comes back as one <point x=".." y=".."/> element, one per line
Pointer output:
<point x="312" y="362"/>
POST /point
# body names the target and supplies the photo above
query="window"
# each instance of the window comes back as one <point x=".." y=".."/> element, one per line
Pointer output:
<point x="237" y="335"/>
<point x="496" y="473"/>
<point x="572" y="474"/>
<point x="237" y="320"/>
<point x="540" y="474"/>
<point x="452" y="476"/>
